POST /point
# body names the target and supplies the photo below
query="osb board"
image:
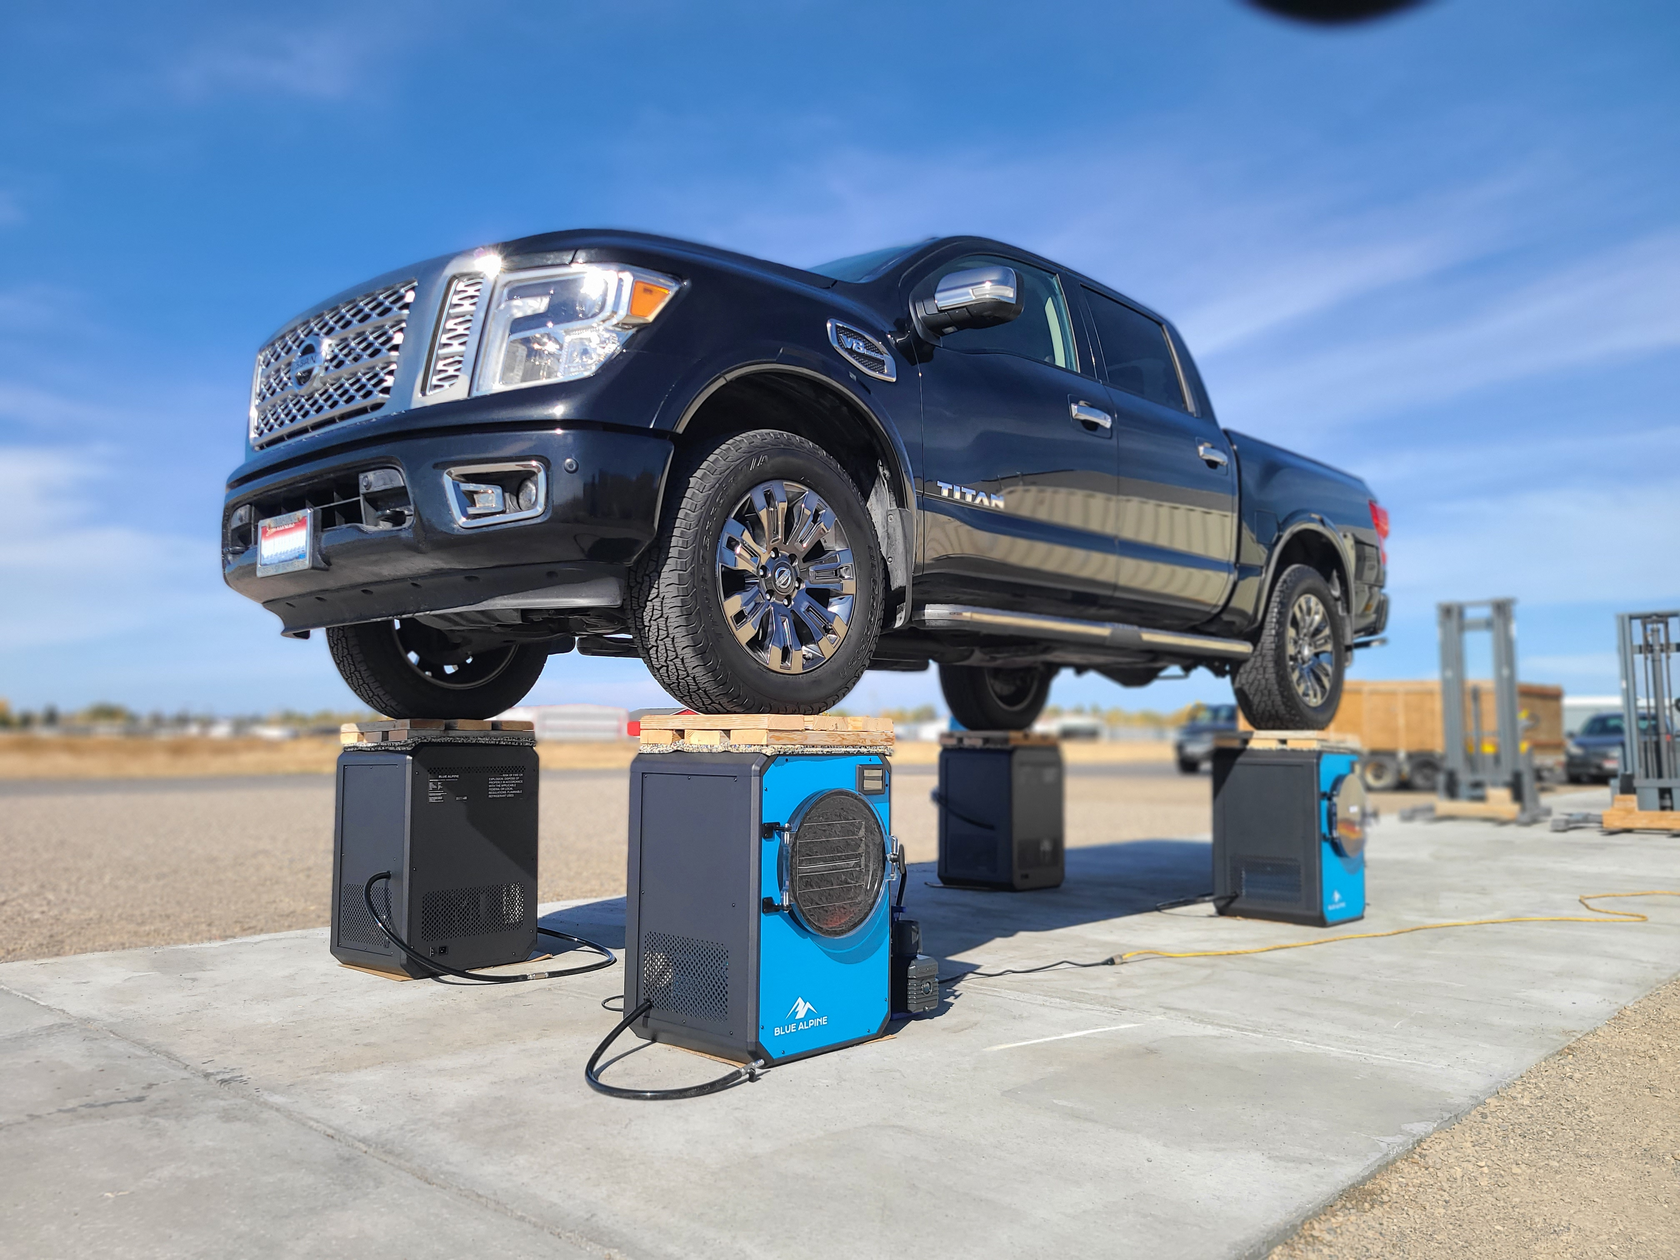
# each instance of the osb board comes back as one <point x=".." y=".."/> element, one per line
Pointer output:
<point x="449" y="730"/>
<point x="764" y="732"/>
<point x="1261" y="741"/>
<point x="996" y="739"/>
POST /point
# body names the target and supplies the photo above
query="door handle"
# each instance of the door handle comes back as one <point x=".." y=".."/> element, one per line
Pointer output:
<point x="1087" y="414"/>
<point x="1211" y="455"/>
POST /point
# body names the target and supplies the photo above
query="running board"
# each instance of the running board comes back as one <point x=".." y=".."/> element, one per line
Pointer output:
<point x="1107" y="634"/>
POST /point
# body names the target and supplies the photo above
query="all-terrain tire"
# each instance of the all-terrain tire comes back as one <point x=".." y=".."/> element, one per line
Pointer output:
<point x="376" y="666"/>
<point x="1272" y="688"/>
<point x="676" y="602"/>
<point x="986" y="699"/>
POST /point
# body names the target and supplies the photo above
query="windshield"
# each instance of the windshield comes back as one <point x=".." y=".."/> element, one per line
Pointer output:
<point x="1603" y="724"/>
<point x="861" y="267"/>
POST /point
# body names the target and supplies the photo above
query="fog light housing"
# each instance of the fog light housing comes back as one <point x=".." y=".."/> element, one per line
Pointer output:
<point x="496" y="494"/>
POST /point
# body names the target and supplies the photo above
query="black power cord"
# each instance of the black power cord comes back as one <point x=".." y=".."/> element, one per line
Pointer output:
<point x="608" y="958"/>
<point x="746" y="1072"/>
<point x="1025" y="971"/>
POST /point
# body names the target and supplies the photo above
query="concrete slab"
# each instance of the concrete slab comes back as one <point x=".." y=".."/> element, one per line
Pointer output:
<point x="251" y="1098"/>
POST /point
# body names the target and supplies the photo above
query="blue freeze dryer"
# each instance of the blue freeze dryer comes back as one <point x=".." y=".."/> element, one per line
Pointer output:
<point x="757" y="915"/>
<point x="1289" y="827"/>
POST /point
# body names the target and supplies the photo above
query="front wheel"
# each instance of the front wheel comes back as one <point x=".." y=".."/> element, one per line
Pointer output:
<point x="1293" y="682"/>
<point x="763" y="592"/>
<point x="407" y="669"/>
<point x="987" y="699"/>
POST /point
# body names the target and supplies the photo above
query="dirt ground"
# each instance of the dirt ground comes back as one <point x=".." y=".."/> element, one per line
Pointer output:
<point x="1580" y="1157"/>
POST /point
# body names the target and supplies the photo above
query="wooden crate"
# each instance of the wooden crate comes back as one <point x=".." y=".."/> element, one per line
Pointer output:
<point x="1404" y="716"/>
<point x="408" y="730"/>
<point x="760" y="732"/>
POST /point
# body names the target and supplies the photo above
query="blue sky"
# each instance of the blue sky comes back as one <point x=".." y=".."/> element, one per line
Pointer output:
<point x="1441" y="250"/>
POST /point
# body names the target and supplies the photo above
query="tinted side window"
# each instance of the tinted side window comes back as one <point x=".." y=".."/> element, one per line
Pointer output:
<point x="1134" y="352"/>
<point x="1042" y="333"/>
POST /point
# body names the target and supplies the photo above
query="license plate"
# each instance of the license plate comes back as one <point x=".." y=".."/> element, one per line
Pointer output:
<point x="286" y="543"/>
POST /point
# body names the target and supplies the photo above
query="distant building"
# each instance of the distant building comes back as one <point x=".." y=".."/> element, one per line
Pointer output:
<point x="573" y="723"/>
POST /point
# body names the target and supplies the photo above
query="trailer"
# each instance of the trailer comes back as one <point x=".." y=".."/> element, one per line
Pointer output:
<point x="1398" y="723"/>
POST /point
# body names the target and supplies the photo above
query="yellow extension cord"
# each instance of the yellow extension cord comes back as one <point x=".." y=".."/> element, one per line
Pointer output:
<point x="1609" y="916"/>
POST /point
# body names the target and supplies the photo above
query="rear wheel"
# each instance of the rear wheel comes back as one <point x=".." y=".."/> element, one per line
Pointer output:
<point x="987" y="699"/>
<point x="1293" y="681"/>
<point x="1423" y="773"/>
<point x="1381" y="772"/>
<point x="406" y="669"/>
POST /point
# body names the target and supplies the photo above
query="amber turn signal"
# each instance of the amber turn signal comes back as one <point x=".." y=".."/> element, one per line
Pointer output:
<point x="647" y="299"/>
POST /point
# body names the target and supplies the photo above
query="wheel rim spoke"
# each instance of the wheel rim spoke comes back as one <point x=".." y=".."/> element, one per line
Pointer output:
<point x="786" y="577"/>
<point x="1311" y="651"/>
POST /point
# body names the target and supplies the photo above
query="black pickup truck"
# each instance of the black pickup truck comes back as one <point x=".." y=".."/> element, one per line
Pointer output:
<point x="764" y="480"/>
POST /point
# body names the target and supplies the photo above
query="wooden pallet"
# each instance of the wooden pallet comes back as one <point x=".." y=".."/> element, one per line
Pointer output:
<point x="1624" y="814"/>
<point x="1275" y="741"/>
<point x="1498" y="806"/>
<point x="408" y="730"/>
<point x="758" y="732"/>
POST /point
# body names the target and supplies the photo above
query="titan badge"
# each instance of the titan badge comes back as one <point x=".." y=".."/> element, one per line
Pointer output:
<point x="967" y="494"/>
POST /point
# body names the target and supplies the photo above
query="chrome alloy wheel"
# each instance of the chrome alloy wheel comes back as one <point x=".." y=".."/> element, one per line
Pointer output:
<point x="786" y="577"/>
<point x="1312" y="650"/>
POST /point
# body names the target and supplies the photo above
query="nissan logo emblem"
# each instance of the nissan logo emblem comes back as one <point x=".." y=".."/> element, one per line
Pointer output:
<point x="306" y="367"/>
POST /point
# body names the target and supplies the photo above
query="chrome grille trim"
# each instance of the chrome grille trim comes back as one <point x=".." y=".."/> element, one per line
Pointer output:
<point x="862" y="351"/>
<point x="358" y="341"/>
<point x="449" y="354"/>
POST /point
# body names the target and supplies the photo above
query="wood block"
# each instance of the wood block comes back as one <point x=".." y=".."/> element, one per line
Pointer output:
<point x="708" y="738"/>
<point x="1626" y="818"/>
<point x="1494" y="810"/>
<point x="513" y="726"/>
<point x="468" y="724"/>
<point x="1625" y="802"/>
<point x="657" y="738"/>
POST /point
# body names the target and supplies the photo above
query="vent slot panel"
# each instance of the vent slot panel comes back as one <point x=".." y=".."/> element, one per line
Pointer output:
<point x="685" y="976"/>
<point x="449" y="355"/>
<point x="355" y="924"/>
<point x="452" y="914"/>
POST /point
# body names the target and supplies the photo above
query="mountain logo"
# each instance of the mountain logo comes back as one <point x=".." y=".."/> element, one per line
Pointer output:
<point x="801" y="1009"/>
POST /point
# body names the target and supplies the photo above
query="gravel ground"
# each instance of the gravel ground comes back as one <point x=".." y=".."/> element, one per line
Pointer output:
<point x="110" y="865"/>
<point x="1580" y="1157"/>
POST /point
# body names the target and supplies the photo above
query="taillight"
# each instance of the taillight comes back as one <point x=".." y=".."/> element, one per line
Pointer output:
<point x="1379" y="522"/>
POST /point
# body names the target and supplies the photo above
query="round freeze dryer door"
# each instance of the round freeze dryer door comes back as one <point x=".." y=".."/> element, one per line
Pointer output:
<point x="1350" y="812"/>
<point x="837" y="862"/>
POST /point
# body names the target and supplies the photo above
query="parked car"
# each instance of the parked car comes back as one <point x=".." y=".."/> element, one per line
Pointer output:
<point x="1594" y="753"/>
<point x="764" y="480"/>
<point x="1193" y="742"/>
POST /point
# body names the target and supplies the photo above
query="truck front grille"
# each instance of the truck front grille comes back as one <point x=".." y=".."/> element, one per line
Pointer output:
<point x="334" y="366"/>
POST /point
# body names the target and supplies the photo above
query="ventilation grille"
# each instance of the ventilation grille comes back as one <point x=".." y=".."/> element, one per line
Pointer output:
<point x="1268" y="881"/>
<point x="449" y="355"/>
<point x="837" y="863"/>
<point x="862" y="351"/>
<point x="1045" y="854"/>
<point x="684" y="976"/>
<point x="453" y="913"/>
<point x="355" y="924"/>
<point x="333" y="366"/>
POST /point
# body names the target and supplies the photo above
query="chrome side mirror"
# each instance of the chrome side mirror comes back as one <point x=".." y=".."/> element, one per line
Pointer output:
<point x="980" y="297"/>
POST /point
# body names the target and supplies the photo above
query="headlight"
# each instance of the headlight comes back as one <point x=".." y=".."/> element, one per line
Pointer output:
<point x="562" y="323"/>
<point x="1574" y="749"/>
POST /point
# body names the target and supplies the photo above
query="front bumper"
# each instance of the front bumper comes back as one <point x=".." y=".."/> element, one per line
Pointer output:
<point x="597" y="520"/>
<point x="1594" y="764"/>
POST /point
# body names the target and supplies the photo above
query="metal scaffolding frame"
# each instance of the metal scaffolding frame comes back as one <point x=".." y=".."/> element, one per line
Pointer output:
<point x="1469" y="769"/>
<point x="1646" y="644"/>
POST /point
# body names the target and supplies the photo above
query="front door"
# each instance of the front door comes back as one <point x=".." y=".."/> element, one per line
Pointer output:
<point x="1176" y="517"/>
<point x="1018" y="493"/>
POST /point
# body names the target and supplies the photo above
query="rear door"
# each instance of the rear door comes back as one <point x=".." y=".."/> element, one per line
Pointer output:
<point x="1018" y="495"/>
<point x="1176" y="508"/>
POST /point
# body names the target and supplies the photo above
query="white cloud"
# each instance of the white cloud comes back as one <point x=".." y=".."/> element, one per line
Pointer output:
<point x="270" y="58"/>
<point x="73" y="571"/>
